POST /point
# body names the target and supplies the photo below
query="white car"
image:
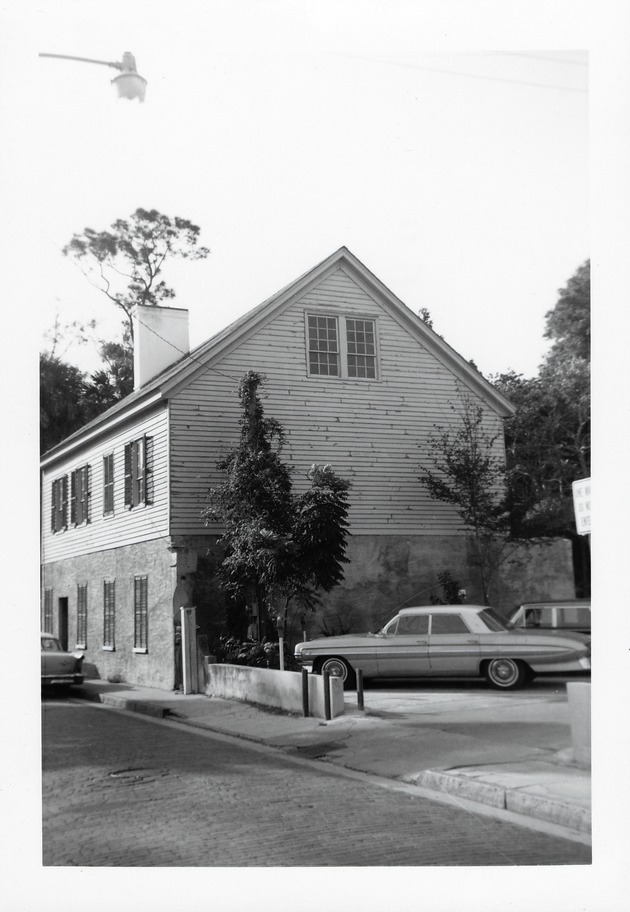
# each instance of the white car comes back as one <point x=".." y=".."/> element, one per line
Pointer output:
<point x="448" y="641"/>
<point x="59" y="668"/>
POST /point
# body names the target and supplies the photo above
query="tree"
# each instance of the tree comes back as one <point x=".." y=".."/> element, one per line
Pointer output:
<point x="548" y="440"/>
<point x="61" y="400"/>
<point x="126" y="262"/>
<point x="468" y="473"/>
<point x="277" y="546"/>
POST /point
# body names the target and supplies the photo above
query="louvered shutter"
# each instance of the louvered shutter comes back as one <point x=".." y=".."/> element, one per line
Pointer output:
<point x="73" y="498"/>
<point x="128" y="478"/>
<point x="64" y="502"/>
<point x="148" y="470"/>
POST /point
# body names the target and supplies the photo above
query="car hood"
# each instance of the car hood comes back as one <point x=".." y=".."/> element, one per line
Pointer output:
<point x="345" y="640"/>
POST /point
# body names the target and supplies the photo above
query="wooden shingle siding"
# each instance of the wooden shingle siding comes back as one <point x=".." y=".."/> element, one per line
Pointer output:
<point x="123" y="526"/>
<point x="373" y="432"/>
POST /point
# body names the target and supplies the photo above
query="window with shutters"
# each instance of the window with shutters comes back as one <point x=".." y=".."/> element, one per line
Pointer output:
<point x="109" y="615"/>
<point x="80" y="496"/>
<point x="139" y="472"/>
<point x="341" y="346"/>
<point x="140" y="614"/>
<point x="82" y="611"/>
<point x="108" y="484"/>
<point x="59" y="505"/>
<point x="47" y="616"/>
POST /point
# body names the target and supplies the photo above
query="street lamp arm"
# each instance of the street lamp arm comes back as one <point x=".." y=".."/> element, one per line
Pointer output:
<point x="117" y="66"/>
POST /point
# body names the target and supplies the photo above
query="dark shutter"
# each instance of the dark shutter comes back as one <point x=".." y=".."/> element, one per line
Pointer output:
<point x="73" y="498"/>
<point x="148" y="470"/>
<point x="128" y="478"/>
<point x="64" y="503"/>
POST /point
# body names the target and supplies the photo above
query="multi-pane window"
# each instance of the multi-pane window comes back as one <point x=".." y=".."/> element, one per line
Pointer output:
<point x="109" y="614"/>
<point x="361" y="348"/>
<point x="141" y="614"/>
<point x="342" y="347"/>
<point x="47" y="618"/>
<point x="80" y="495"/>
<point x="139" y="472"/>
<point x="59" y="505"/>
<point x="82" y="610"/>
<point x="323" y="346"/>
<point x="108" y="483"/>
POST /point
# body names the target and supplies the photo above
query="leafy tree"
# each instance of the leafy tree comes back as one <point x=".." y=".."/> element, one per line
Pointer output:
<point x="126" y="262"/>
<point x="468" y="473"/>
<point x="278" y="546"/>
<point x="548" y="440"/>
<point x="61" y="397"/>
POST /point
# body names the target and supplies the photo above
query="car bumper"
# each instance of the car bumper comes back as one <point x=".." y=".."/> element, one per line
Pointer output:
<point x="63" y="680"/>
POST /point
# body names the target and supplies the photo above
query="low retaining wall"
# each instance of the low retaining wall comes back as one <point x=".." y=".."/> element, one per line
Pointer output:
<point x="268" y="687"/>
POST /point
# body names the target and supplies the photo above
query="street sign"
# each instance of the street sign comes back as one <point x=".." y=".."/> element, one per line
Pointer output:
<point x="582" y="505"/>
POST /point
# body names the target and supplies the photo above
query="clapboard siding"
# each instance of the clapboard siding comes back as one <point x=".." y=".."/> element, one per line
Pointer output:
<point x="374" y="433"/>
<point x="124" y="526"/>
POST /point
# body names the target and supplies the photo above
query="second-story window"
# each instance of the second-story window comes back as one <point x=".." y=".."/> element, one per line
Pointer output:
<point x="80" y="495"/>
<point x="139" y="472"/>
<point x="108" y="483"/>
<point x="59" y="505"/>
<point x="340" y="346"/>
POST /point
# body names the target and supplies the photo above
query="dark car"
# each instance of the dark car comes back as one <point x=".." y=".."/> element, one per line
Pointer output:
<point x="59" y="668"/>
<point x="448" y="641"/>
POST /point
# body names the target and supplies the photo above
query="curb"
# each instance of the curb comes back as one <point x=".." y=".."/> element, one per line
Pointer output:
<point x="515" y="800"/>
<point x="137" y="706"/>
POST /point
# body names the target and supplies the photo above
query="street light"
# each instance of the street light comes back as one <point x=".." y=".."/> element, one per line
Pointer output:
<point x="129" y="82"/>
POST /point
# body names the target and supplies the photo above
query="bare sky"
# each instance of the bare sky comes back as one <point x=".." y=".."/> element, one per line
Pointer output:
<point x="450" y="155"/>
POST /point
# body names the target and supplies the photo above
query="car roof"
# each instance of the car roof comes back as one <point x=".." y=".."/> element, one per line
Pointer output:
<point x="437" y="609"/>
<point x="571" y="603"/>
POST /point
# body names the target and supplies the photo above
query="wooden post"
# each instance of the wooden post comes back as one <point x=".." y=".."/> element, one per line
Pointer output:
<point x="189" y="650"/>
<point x="326" y="680"/>
<point x="305" y="707"/>
<point x="359" y="688"/>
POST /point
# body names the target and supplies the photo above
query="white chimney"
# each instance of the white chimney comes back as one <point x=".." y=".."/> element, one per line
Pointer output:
<point x="160" y="338"/>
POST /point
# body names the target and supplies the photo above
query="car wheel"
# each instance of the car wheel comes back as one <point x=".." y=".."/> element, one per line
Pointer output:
<point x="339" y="668"/>
<point x="505" y="674"/>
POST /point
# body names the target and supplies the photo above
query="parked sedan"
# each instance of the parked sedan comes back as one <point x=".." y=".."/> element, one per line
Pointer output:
<point x="59" y="668"/>
<point x="568" y="615"/>
<point x="448" y="641"/>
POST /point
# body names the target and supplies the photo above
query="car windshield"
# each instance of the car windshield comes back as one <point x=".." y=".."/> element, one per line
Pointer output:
<point x="492" y="620"/>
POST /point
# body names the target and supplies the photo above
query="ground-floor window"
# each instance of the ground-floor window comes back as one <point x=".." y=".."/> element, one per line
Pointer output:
<point x="140" y="614"/>
<point x="109" y="614"/>
<point x="82" y="609"/>
<point x="47" y="615"/>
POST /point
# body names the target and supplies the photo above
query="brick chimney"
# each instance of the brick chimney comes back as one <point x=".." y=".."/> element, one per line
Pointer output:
<point x="160" y="339"/>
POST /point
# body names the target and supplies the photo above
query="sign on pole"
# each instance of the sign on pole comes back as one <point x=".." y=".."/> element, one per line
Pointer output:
<point x="582" y="505"/>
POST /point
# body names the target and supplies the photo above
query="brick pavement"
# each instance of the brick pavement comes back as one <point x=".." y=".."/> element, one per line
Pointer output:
<point x="122" y="791"/>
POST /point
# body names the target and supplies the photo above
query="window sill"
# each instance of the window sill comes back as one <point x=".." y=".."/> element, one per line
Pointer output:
<point x="81" y="646"/>
<point x="140" y="651"/>
<point x="109" y="649"/>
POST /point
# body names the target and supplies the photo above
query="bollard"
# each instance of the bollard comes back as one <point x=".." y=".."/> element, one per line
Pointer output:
<point x="305" y="692"/>
<point x="359" y="688"/>
<point x="326" y="680"/>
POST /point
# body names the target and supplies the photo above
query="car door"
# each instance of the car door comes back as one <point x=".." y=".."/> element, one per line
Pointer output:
<point x="453" y="648"/>
<point x="403" y="650"/>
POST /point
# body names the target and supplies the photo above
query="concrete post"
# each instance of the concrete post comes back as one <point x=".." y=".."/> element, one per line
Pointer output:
<point x="579" y="695"/>
<point x="190" y="672"/>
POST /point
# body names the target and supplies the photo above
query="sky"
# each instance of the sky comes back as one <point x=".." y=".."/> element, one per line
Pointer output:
<point x="451" y="158"/>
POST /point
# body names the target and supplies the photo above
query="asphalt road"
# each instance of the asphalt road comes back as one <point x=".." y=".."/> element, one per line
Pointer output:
<point x="122" y="790"/>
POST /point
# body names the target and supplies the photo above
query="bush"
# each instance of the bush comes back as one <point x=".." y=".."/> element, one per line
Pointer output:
<point x="255" y="654"/>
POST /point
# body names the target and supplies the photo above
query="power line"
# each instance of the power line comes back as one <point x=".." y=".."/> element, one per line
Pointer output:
<point x="415" y="66"/>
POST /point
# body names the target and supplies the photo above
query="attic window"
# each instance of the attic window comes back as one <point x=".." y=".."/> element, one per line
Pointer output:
<point x="343" y="347"/>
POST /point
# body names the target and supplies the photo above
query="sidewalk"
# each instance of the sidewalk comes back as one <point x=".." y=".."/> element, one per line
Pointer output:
<point x="511" y="754"/>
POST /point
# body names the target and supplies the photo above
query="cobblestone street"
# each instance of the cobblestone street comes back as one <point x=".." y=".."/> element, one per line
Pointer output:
<point x="123" y="791"/>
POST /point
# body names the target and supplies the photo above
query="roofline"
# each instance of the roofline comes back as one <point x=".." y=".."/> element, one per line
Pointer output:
<point x="177" y="375"/>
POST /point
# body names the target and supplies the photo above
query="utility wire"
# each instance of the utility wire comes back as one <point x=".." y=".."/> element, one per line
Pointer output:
<point x="415" y="66"/>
